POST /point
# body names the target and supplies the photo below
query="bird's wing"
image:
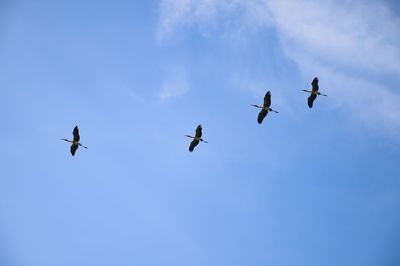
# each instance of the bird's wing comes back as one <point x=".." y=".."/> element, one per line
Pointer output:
<point x="263" y="113"/>
<point x="193" y="144"/>
<point x="198" y="131"/>
<point x="74" y="147"/>
<point x="314" y="84"/>
<point x="267" y="99"/>
<point x="311" y="99"/>
<point x="76" y="134"/>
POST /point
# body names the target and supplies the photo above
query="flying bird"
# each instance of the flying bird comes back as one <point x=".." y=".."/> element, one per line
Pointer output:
<point x="196" y="139"/>
<point x="314" y="92"/>
<point x="265" y="108"/>
<point x="75" y="141"/>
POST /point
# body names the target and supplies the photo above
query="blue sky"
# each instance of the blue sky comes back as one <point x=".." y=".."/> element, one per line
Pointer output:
<point x="307" y="187"/>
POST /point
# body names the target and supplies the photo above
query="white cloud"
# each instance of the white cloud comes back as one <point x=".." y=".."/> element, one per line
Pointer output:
<point x="207" y="15"/>
<point x="350" y="45"/>
<point x="176" y="85"/>
<point x="353" y="34"/>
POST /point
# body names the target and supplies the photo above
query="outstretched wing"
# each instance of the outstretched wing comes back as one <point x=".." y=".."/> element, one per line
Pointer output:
<point x="267" y="99"/>
<point x="193" y="144"/>
<point x="311" y="99"/>
<point x="76" y="134"/>
<point x="198" y="131"/>
<point x="74" y="147"/>
<point x="314" y="84"/>
<point x="263" y="113"/>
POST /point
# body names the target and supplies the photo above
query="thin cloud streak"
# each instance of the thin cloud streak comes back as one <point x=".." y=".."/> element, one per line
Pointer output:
<point x="175" y="86"/>
<point x="333" y="40"/>
<point x="207" y="16"/>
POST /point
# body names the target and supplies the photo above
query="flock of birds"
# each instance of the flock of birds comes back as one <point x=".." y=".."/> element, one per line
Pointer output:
<point x="197" y="138"/>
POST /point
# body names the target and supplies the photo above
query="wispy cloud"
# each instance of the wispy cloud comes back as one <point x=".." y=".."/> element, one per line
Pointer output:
<point x="207" y="16"/>
<point x="351" y="45"/>
<point x="176" y="84"/>
<point x="349" y="32"/>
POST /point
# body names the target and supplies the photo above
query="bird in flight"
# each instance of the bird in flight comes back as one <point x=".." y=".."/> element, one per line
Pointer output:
<point x="75" y="141"/>
<point x="314" y="92"/>
<point x="196" y="139"/>
<point x="265" y="108"/>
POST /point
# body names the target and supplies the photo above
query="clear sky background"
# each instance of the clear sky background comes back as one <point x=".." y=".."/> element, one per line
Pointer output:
<point x="308" y="187"/>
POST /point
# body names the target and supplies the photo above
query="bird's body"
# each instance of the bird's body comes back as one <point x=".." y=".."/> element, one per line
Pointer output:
<point x="75" y="141"/>
<point x="314" y="92"/>
<point x="196" y="139"/>
<point x="265" y="108"/>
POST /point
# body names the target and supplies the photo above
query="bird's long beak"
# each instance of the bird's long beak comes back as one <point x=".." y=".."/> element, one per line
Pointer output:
<point x="189" y="136"/>
<point x="255" y="105"/>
